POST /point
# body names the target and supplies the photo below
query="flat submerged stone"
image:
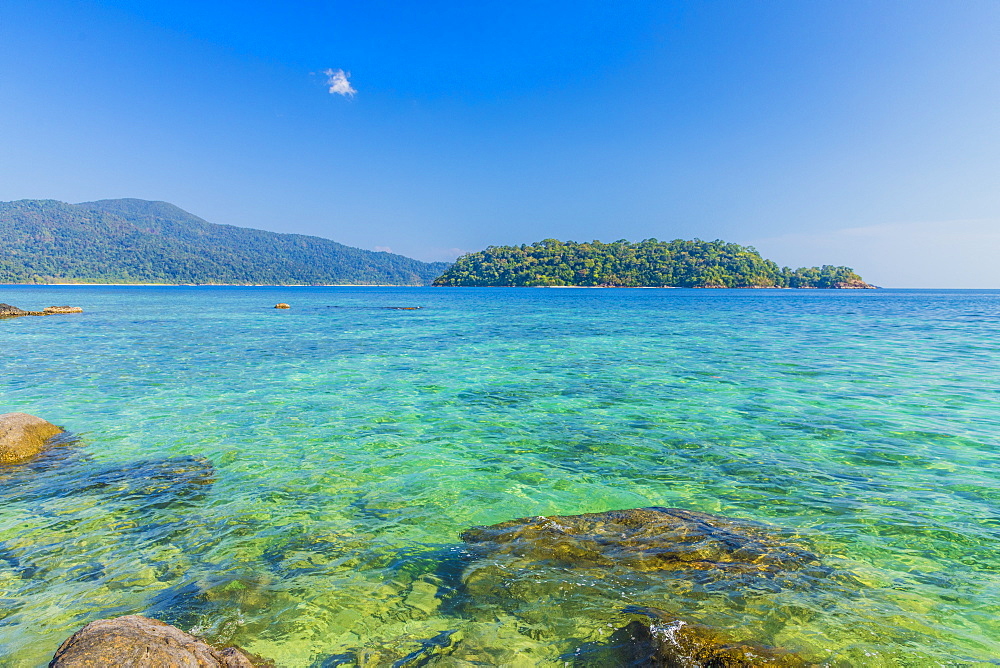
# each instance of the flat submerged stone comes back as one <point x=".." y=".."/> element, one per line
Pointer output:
<point x="642" y="539"/>
<point x="571" y="573"/>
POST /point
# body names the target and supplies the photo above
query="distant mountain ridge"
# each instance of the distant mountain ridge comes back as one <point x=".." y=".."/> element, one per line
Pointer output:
<point x="141" y="241"/>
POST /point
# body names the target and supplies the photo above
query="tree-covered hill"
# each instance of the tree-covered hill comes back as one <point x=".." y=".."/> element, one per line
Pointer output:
<point x="686" y="264"/>
<point x="138" y="241"/>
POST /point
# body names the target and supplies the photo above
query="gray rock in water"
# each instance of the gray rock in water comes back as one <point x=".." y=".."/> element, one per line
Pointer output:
<point x="23" y="436"/>
<point x="140" y="642"/>
<point x="8" y="311"/>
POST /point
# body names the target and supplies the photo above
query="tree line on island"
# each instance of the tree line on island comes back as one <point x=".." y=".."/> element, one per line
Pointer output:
<point x="649" y="263"/>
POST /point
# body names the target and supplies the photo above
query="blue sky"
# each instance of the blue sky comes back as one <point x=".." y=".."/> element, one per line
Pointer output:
<point x="843" y="132"/>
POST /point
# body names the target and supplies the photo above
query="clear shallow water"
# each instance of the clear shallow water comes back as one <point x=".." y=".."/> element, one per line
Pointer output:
<point x="350" y="445"/>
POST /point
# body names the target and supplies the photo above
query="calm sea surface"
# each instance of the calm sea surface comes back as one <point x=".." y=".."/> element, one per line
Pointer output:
<point x="295" y="482"/>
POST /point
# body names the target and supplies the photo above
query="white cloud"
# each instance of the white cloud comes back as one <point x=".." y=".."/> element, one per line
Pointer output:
<point x="940" y="254"/>
<point x="338" y="82"/>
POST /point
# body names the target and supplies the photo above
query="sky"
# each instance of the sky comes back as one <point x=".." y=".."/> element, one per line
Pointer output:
<point x="863" y="133"/>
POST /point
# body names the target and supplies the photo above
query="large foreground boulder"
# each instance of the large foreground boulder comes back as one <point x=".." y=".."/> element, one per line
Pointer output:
<point x="139" y="642"/>
<point x="23" y="436"/>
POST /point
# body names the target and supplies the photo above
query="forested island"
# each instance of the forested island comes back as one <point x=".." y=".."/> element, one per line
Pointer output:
<point x="139" y="241"/>
<point x="649" y="263"/>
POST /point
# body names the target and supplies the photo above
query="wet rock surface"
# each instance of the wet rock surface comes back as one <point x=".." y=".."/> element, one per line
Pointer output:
<point x="135" y="641"/>
<point x="24" y="436"/>
<point x="53" y="310"/>
<point x="664" y="643"/>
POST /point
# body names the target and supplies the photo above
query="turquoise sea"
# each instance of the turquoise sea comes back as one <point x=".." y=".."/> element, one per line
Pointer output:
<point x="295" y="482"/>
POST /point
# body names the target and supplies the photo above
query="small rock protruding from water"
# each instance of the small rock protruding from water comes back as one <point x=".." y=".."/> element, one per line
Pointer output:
<point x="8" y="311"/>
<point x="23" y="436"/>
<point x="282" y="305"/>
<point x="134" y="640"/>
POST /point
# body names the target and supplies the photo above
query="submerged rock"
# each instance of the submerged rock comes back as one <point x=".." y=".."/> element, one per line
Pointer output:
<point x="663" y="643"/>
<point x="151" y="482"/>
<point x="566" y="574"/>
<point x="139" y="641"/>
<point x="23" y="436"/>
<point x="156" y="483"/>
<point x="641" y="539"/>
<point x="282" y="305"/>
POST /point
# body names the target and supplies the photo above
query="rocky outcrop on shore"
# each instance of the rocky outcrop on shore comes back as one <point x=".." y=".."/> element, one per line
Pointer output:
<point x="23" y="436"/>
<point x="854" y="285"/>
<point x="134" y="640"/>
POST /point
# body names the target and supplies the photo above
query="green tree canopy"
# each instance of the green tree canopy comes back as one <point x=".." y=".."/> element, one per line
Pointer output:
<point x="649" y="263"/>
